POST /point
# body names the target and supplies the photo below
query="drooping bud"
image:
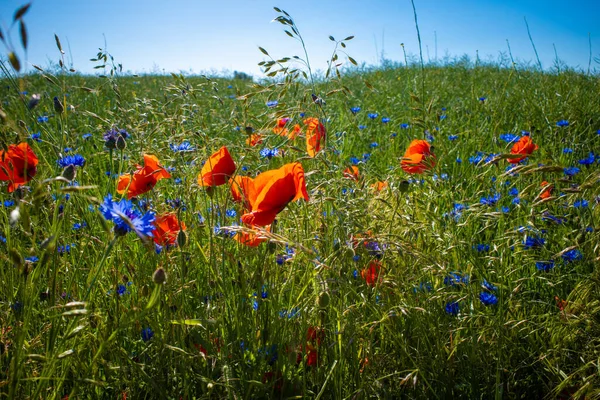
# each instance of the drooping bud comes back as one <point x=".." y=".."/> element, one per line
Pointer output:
<point x="160" y="276"/>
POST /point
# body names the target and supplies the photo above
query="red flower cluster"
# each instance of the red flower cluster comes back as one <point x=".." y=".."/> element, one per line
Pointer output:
<point x="17" y="165"/>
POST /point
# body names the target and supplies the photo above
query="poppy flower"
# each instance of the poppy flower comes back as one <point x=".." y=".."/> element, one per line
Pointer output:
<point x="144" y="179"/>
<point x="418" y="157"/>
<point x="217" y="169"/>
<point x="17" y="165"/>
<point x="371" y="273"/>
<point x="251" y="239"/>
<point x="281" y="130"/>
<point x="315" y="134"/>
<point x="242" y="190"/>
<point x="547" y="191"/>
<point x="523" y="147"/>
<point x="254" y="139"/>
<point x="379" y="186"/>
<point x="273" y="190"/>
<point x="166" y="229"/>
<point x="352" y="173"/>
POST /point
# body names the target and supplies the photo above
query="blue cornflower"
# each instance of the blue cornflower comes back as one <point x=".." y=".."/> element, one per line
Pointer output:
<point x="589" y="160"/>
<point x="404" y="126"/>
<point x="272" y="103"/>
<point x="516" y="200"/>
<point x="567" y="150"/>
<point x="571" y="171"/>
<point x="459" y="160"/>
<point x="42" y="119"/>
<point x="544" y="265"/>
<point x="374" y="144"/>
<point x="509" y="137"/>
<point x="546" y="216"/>
<point x="488" y="299"/>
<point x="32" y="259"/>
<point x="482" y="99"/>
<point x="255" y="304"/>
<point x="562" y="122"/>
<point x="110" y="137"/>
<point x="65" y="249"/>
<point x="77" y="226"/>
<point x="581" y="204"/>
<point x="513" y="191"/>
<point x="126" y="218"/>
<point x="361" y="127"/>
<point x="2" y="239"/>
<point x="269" y="153"/>
<point x="354" y="160"/>
<point x="452" y="137"/>
<point x="429" y="137"/>
<point x="505" y="209"/>
<point x="183" y="147"/>
<point x="455" y="279"/>
<point x="36" y="136"/>
<point x="572" y="255"/>
<point x="354" y="110"/>
<point x="121" y="290"/>
<point x="366" y="157"/>
<point x="489" y="286"/>
<point x="86" y="136"/>
<point x="443" y="117"/>
<point x="589" y="229"/>
<point x="373" y="115"/>
<point x="75" y="160"/>
<point x="452" y="308"/>
<point x="147" y="334"/>
<point x="491" y="200"/>
<point x="482" y="247"/>
<point x="385" y="120"/>
<point x="230" y="213"/>
<point x="533" y="241"/>
<point x="9" y="203"/>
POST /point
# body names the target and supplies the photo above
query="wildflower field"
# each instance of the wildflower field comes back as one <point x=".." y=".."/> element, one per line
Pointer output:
<point x="418" y="232"/>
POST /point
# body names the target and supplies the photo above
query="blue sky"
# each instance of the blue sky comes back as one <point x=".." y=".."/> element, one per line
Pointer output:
<point x="218" y="36"/>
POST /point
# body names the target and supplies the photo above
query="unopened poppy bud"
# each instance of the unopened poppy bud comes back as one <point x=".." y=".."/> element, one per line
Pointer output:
<point x="69" y="173"/>
<point x="58" y="106"/>
<point x="249" y="130"/>
<point x="160" y="276"/>
<point x="323" y="300"/>
<point x="120" y="144"/>
<point x="181" y="238"/>
<point x="403" y="187"/>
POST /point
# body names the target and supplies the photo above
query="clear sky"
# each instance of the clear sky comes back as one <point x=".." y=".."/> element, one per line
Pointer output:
<point x="224" y="35"/>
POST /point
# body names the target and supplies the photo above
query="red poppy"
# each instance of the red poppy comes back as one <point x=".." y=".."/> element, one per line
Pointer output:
<point x="524" y="147"/>
<point x="371" y="273"/>
<point x="547" y="191"/>
<point x="351" y="173"/>
<point x="166" y="229"/>
<point x="315" y="134"/>
<point x="379" y="186"/>
<point x="217" y="169"/>
<point x="281" y="129"/>
<point x="17" y="165"/>
<point x="144" y="179"/>
<point x="418" y="157"/>
<point x="254" y="139"/>
<point x="251" y="239"/>
<point x="273" y="190"/>
<point x="242" y="190"/>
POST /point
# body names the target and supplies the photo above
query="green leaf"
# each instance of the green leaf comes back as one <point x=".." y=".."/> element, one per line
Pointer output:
<point x="1" y="35"/>
<point x="190" y="322"/>
<point x="21" y="11"/>
<point x="331" y="38"/>
<point x="277" y="9"/>
<point x="290" y="34"/>
<point x="352" y="60"/>
<point x="154" y="298"/>
<point x="263" y="51"/>
<point x="349" y="37"/>
<point x="23" y="33"/>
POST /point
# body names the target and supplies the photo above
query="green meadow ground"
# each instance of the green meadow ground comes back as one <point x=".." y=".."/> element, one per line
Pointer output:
<point x="232" y="321"/>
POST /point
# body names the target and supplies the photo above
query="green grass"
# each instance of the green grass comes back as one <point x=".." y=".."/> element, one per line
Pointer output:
<point x="64" y="333"/>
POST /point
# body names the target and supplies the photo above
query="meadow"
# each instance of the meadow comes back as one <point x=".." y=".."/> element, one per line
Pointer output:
<point x="468" y="269"/>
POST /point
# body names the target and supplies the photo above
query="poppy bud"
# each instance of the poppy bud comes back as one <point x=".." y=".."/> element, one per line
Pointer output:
<point x="249" y="130"/>
<point x="69" y="173"/>
<point x="121" y="143"/>
<point x="403" y="186"/>
<point x="323" y="300"/>
<point x="14" y="216"/>
<point x="181" y="238"/>
<point x="160" y="276"/>
<point x="58" y="106"/>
